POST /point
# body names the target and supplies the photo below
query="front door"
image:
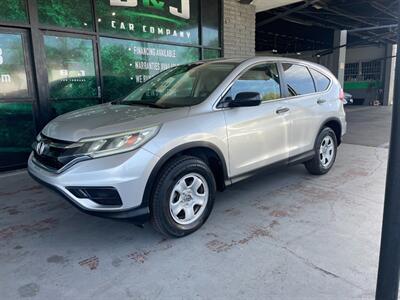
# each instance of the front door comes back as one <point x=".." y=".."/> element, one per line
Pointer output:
<point x="257" y="136"/>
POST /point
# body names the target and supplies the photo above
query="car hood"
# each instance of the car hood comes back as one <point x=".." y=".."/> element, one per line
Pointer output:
<point x="106" y="119"/>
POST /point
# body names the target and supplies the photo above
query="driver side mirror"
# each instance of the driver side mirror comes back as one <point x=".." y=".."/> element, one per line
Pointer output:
<point x="246" y="99"/>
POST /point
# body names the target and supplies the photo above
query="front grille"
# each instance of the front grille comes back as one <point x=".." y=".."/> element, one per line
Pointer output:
<point x="49" y="162"/>
<point x="56" y="154"/>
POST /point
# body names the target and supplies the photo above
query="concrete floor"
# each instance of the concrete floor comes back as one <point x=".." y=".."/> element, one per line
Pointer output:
<point x="369" y="126"/>
<point x="286" y="235"/>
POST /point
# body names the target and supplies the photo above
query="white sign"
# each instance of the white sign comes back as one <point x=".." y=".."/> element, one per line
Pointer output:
<point x="184" y="13"/>
<point x="1" y="57"/>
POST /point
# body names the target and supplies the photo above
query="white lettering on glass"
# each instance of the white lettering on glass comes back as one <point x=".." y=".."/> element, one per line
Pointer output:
<point x="185" y="13"/>
<point x="128" y="3"/>
<point x="5" y="78"/>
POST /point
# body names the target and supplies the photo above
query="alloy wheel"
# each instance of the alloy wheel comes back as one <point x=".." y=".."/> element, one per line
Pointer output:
<point x="189" y="199"/>
<point x="327" y="151"/>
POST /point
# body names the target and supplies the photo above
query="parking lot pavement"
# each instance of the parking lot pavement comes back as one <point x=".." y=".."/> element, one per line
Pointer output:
<point x="284" y="235"/>
<point x="368" y="125"/>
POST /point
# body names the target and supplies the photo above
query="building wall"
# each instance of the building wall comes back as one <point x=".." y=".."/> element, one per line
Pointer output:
<point x="239" y="29"/>
<point x="47" y="68"/>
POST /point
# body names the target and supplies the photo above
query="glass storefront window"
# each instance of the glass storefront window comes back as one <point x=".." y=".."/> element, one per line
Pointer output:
<point x="172" y="20"/>
<point x="211" y="23"/>
<point x="211" y="54"/>
<point x="16" y="133"/>
<point x="71" y="72"/>
<point x="13" y="80"/>
<point x="13" y="11"/>
<point x="75" y="14"/>
<point x="126" y="64"/>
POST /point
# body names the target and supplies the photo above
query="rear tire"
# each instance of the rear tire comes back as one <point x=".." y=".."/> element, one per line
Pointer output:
<point x="183" y="196"/>
<point x="325" y="153"/>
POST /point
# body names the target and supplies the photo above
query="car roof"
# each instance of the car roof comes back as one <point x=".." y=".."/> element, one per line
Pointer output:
<point x="257" y="59"/>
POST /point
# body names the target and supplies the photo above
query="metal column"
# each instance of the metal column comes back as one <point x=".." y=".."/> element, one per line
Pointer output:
<point x="389" y="260"/>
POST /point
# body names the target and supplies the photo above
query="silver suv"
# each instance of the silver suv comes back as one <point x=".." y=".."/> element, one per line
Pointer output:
<point x="163" y="151"/>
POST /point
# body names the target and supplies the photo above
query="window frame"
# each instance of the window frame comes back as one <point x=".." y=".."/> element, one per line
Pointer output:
<point x="288" y="96"/>
<point x="263" y="65"/>
<point x="27" y="63"/>
<point x="315" y="83"/>
<point x="95" y="62"/>
<point x="219" y="102"/>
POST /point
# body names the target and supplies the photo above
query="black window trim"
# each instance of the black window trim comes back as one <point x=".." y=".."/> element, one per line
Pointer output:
<point x="315" y="83"/>
<point x="217" y="105"/>
<point x="308" y="67"/>
<point x="27" y="64"/>
<point x="51" y="33"/>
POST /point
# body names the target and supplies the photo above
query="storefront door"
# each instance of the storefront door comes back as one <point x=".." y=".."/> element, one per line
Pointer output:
<point x="17" y="98"/>
<point x="72" y="72"/>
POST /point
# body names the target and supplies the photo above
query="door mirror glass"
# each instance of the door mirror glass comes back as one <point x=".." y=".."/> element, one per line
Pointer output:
<point x="246" y="99"/>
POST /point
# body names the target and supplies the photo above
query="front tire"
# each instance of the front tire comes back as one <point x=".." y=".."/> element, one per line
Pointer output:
<point x="325" y="153"/>
<point x="183" y="196"/>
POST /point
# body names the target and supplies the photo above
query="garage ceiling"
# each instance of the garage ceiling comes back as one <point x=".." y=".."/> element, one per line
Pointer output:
<point x="310" y="24"/>
<point x="262" y="5"/>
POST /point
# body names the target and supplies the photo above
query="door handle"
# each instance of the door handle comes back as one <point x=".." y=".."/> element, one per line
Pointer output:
<point x="282" y="110"/>
<point x="321" y="101"/>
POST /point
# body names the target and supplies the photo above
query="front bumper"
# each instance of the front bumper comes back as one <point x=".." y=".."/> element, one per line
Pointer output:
<point x="128" y="173"/>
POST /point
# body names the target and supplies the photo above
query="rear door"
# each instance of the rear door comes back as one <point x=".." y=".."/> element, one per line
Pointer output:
<point x="306" y="107"/>
<point x="257" y="136"/>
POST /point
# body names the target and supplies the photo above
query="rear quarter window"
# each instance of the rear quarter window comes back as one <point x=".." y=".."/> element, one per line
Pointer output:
<point x="298" y="79"/>
<point x="322" y="82"/>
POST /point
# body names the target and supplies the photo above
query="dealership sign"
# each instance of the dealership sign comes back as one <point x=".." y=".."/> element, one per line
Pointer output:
<point x="183" y="12"/>
<point x="167" y="20"/>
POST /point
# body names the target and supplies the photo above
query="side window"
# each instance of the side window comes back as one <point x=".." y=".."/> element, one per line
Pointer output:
<point x="321" y="81"/>
<point x="298" y="79"/>
<point x="263" y="79"/>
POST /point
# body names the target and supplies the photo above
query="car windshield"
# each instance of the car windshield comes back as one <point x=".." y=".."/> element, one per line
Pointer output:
<point x="185" y="85"/>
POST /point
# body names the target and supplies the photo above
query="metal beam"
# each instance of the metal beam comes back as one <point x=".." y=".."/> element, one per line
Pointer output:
<point x="383" y="9"/>
<point x="287" y="12"/>
<point x="349" y="16"/>
<point x="344" y="26"/>
<point x="374" y="28"/>
<point x="355" y="18"/>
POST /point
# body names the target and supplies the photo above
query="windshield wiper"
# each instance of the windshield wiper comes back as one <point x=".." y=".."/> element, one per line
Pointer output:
<point x="143" y="103"/>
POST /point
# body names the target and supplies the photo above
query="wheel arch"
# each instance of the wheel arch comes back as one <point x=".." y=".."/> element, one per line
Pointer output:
<point x="336" y="126"/>
<point x="208" y="152"/>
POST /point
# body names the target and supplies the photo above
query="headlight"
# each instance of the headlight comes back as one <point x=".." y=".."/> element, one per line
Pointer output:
<point x="113" y="144"/>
